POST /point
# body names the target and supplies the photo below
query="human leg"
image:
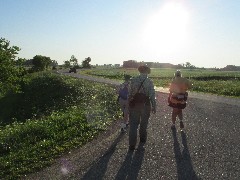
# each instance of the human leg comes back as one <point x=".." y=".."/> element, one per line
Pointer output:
<point x="145" y="114"/>
<point x="134" y="118"/>
<point x="180" y="116"/>
<point x="124" y="108"/>
<point x="174" y="116"/>
<point x="126" y="112"/>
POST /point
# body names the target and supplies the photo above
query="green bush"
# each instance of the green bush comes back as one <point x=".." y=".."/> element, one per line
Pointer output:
<point x="226" y="88"/>
<point x="34" y="144"/>
<point x="43" y="94"/>
<point x="86" y="109"/>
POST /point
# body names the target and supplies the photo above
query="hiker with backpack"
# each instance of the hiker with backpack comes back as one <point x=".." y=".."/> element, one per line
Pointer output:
<point x="177" y="98"/>
<point x="123" y="101"/>
<point x="142" y="101"/>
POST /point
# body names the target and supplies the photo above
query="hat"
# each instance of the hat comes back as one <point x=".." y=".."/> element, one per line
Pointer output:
<point x="144" y="69"/>
<point x="178" y="73"/>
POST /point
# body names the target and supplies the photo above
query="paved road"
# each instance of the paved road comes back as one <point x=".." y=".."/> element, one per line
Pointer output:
<point x="208" y="148"/>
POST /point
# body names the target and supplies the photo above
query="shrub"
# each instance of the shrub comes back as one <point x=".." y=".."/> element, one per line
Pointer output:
<point x="81" y="110"/>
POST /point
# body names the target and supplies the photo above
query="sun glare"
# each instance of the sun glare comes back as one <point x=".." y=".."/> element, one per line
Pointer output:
<point x="166" y="30"/>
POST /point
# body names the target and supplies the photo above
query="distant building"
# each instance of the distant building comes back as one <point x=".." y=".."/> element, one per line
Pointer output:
<point x="130" y="64"/>
<point x="231" y="68"/>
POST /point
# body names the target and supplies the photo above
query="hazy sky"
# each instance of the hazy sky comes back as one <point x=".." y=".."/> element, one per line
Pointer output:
<point x="205" y="33"/>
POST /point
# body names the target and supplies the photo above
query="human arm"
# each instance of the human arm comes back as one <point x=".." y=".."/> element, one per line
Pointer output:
<point x="152" y="96"/>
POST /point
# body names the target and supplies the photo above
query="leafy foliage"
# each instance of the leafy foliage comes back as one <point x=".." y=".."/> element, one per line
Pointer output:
<point x="11" y="69"/>
<point x="34" y="144"/>
<point x="86" y="63"/>
<point x="73" y="61"/>
<point x="40" y="63"/>
<point x="45" y="92"/>
<point x="69" y="112"/>
<point x="67" y="64"/>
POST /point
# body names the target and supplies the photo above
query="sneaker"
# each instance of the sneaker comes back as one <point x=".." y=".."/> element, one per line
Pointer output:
<point x="181" y="125"/>
<point x="173" y="126"/>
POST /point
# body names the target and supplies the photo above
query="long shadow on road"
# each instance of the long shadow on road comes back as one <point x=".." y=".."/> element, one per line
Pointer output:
<point x="131" y="165"/>
<point x="183" y="159"/>
<point x="98" y="170"/>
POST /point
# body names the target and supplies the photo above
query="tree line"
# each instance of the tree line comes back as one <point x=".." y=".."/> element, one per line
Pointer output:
<point x="73" y="62"/>
<point x="13" y="68"/>
<point x="135" y="64"/>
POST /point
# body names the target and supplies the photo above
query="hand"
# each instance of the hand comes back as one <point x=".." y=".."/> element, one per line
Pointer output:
<point x="153" y="110"/>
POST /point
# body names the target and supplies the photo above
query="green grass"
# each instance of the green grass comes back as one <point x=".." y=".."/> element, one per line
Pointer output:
<point x="34" y="144"/>
<point x="27" y="145"/>
<point x="225" y="83"/>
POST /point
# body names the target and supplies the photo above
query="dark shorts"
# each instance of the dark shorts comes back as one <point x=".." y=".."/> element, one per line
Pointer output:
<point x="178" y="97"/>
<point x="178" y="105"/>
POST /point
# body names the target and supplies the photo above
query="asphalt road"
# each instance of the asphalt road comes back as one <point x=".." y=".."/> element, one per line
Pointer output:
<point x="208" y="148"/>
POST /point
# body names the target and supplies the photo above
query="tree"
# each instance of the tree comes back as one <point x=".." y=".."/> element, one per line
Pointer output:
<point x="188" y="65"/>
<point x="11" y="68"/>
<point x="73" y="61"/>
<point x="54" y="63"/>
<point x="41" y="63"/>
<point x="86" y="63"/>
<point x="179" y="66"/>
<point x="67" y="64"/>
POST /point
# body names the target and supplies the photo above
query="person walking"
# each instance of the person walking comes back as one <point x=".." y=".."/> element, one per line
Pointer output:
<point x="177" y="98"/>
<point x="123" y="101"/>
<point x="141" y="102"/>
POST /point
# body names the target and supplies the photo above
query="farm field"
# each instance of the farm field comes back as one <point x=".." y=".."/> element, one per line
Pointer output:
<point x="225" y="83"/>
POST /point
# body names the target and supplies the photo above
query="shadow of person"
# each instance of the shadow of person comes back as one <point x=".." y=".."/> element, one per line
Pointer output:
<point x="98" y="170"/>
<point x="183" y="159"/>
<point x="132" y="164"/>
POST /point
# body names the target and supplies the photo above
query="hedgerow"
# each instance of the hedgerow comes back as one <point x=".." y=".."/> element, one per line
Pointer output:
<point x="74" y="112"/>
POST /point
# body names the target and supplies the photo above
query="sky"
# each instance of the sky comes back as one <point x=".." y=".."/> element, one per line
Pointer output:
<point x="205" y="33"/>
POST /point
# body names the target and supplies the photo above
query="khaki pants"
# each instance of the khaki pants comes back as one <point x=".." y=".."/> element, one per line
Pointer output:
<point x="139" y="114"/>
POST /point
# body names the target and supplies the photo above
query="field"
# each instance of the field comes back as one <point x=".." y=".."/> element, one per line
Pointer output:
<point x="225" y="83"/>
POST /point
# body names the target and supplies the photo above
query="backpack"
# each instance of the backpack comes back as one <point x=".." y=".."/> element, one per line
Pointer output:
<point x="123" y="92"/>
<point x="139" y="97"/>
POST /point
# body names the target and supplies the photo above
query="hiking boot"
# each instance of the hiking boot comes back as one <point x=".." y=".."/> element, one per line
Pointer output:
<point x="181" y="125"/>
